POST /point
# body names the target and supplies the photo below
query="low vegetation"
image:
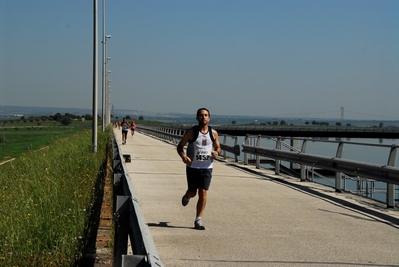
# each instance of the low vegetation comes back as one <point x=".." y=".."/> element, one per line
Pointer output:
<point x="46" y="200"/>
<point x="19" y="136"/>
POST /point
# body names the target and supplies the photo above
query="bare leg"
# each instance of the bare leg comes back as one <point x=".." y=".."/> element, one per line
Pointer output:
<point x="202" y="194"/>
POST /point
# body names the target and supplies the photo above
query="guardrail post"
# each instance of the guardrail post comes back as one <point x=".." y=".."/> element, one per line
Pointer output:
<point x="338" y="175"/>
<point x="117" y="165"/>
<point x="225" y="143"/>
<point x="118" y="186"/>
<point x="235" y="145"/>
<point x="277" y="161"/>
<point x="294" y="144"/>
<point x="304" y="173"/>
<point x="246" y="141"/>
<point x="257" y="157"/>
<point x="391" y="187"/>
<point x="123" y="204"/>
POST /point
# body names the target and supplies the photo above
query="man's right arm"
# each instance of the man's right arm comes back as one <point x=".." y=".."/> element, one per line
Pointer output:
<point x="180" y="147"/>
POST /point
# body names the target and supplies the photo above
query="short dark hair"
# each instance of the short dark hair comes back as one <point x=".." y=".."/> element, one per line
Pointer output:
<point x="199" y="110"/>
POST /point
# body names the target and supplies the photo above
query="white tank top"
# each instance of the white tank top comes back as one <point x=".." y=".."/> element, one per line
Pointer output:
<point x="125" y="127"/>
<point x="199" y="151"/>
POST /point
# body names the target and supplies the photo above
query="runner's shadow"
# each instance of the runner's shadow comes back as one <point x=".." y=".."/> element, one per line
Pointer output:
<point x="166" y="225"/>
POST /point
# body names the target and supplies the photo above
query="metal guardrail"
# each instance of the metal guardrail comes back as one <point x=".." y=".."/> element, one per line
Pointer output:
<point x="304" y="131"/>
<point x="130" y="221"/>
<point x="164" y="133"/>
<point x="384" y="173"/>
<point x="308" y="129"/>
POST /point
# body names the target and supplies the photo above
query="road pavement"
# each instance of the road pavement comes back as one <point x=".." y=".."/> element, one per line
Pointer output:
<point x="255" y="218"/>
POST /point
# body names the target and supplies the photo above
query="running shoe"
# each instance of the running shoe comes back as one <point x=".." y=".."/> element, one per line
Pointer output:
<point x="198" y="225"/>
<point x="185" y="200"/>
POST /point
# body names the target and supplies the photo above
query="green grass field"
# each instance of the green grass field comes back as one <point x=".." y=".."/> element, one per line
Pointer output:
<point x="20" y="137"/>
<point x="47" y="195"/>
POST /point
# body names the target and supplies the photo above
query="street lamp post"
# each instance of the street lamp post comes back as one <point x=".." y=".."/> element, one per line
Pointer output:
<point x="95" y="77"/>
<point x="104" y="83"/>
<point x="104" y="69"/>
<point x="107" y="113"/>
<point x="109" y="104"/>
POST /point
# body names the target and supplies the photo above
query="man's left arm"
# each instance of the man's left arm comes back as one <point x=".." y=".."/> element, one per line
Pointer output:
<point x="216" y="145"/>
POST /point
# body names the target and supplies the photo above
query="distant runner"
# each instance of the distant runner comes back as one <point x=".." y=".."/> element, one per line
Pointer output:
<point x="125" y="129"/>
<point x="132" y="127"/>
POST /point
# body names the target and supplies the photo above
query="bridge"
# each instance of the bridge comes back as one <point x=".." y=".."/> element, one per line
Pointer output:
<point x="255" y="217"/>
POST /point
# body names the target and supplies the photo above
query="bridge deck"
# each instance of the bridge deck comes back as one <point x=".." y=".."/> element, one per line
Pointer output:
<point x="255" y="218"/>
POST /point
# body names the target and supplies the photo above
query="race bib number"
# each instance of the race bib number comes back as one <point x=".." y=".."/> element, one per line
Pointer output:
<point x="202" y="157"/>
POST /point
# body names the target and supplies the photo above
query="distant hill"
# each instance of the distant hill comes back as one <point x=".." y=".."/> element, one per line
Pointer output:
<point x="16" y="112"/>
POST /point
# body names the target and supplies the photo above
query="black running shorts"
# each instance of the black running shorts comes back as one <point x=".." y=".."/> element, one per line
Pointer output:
<point x="198" y="178"/>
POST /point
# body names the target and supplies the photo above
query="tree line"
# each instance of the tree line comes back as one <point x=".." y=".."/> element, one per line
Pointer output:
<point x="64" y="119"/>
<point x="314" y="123"/>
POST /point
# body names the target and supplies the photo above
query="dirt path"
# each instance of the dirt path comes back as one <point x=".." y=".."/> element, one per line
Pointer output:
<point x="1" y="163"/>
<point x="104" y="240"/>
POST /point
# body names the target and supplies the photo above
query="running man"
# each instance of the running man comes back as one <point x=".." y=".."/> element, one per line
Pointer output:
<point x="125" y="129"/>
<point x="203" y="147"/>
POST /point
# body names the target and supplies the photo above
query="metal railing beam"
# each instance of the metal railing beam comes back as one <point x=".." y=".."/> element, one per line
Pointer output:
<point x="130" y="221"/>
<point x="383" y="173"/>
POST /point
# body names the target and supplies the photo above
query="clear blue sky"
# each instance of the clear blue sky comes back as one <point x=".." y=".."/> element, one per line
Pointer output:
<point x="288" y="58"/>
